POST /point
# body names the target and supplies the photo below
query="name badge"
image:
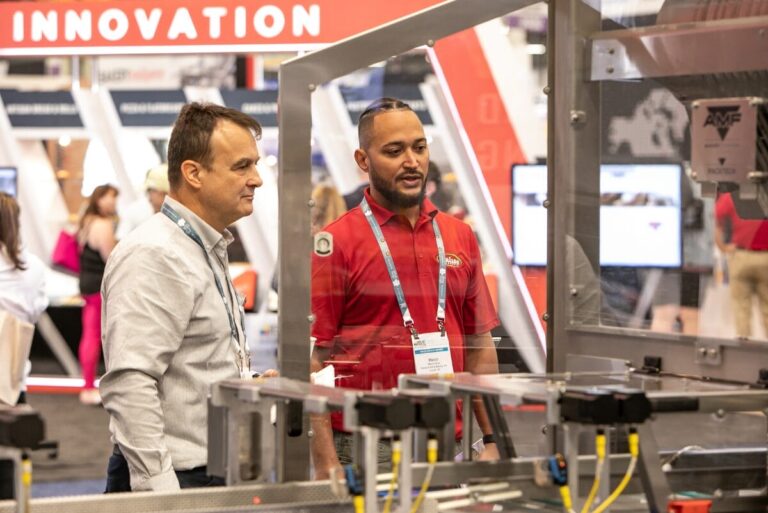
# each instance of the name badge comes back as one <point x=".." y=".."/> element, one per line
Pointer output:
<point x="432" y="354"/>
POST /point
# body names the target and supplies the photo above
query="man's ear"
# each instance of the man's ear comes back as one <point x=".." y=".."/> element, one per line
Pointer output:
<point x="361" y="157"/>
<point x="190" y="173"/>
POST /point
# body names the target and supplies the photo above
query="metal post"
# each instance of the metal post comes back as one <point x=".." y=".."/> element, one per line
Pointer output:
<point x="574" y="148"/>
<point x="655" y="485"/>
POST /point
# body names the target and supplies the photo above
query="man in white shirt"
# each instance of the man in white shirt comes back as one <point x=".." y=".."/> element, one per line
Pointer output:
<point x="156" y="188"/>
<point x="172" y="321"/>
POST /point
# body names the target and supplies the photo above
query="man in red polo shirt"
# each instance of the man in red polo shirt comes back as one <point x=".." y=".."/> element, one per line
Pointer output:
<point x="747" y="253"/>
<point x="397" y="287"/>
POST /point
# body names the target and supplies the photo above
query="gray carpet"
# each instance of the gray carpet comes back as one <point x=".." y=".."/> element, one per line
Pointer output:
<point x="83" y="436"/>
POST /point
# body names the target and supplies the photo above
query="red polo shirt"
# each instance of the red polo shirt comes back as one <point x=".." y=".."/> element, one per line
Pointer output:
<point x="356" y="312"/>
<point x="749" y="234"/>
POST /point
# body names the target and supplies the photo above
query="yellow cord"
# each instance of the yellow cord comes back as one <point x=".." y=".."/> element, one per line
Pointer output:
<point x="396" y="454"/>
<point x="600" y="452"/>
<point x="359" y="502"/>
<point x="432" y="460"/>
<point x="565" y="494"/>
<point x="634" y="452"/>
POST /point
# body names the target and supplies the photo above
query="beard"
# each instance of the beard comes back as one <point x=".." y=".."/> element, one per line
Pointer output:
<point x="394" y="196"/>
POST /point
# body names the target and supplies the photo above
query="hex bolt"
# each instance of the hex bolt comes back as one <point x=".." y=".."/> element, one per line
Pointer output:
<point x="545" y="317"/>
<point x="312" y="87"/>
<point x="578" y="116"/>
<point x="574" y="292"/>
<point x="546" y="203"/>
<point x="431" y="43"/>
<point x="547" y="90"/>
<point x="720" y="414"/>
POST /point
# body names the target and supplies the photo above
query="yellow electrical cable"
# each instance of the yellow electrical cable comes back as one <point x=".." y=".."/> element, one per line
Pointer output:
<point x="565" y="494"/>
<point x="432" y="460"/>
<point x="359" y="503"/>
<point x="396" y="454"/>
<point x="634" y="452"/>
<point x="600" y="453"/>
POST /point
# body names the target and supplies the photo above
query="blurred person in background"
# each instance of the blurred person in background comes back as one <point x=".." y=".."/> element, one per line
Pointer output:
<point x="22" y="294"/>
<point x="22" y="274"/>
<point x="156" y="188"/>
<point x="328" y="206"/>
<point x="746" y="249"/>
<point x="96" y="236"/>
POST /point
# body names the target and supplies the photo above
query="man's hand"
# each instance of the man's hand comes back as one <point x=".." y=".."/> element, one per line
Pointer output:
<point x="490" y="453"/>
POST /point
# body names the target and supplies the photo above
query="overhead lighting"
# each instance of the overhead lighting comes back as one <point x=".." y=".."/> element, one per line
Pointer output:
<point x="65" y="141"/>
<point x="536" y="49"/>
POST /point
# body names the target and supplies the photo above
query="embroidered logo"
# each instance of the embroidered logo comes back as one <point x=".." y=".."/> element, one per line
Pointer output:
<point x="451" y="260"/>
<point x="323" y="244"/>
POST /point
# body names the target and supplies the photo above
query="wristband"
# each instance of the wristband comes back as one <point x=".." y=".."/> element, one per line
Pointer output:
<point x="489" y="439"/>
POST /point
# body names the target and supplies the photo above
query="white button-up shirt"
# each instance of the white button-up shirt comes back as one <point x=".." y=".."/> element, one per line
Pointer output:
<point x="166" y="338"/>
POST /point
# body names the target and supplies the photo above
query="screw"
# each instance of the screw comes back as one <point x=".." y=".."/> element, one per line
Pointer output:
<point x="312" y="87"/>
<point x="609" y="69"/>
<point x="546" y="203"/>
<point x="311" y="203"/>
<point x="713" y="352"/>
<point x="547" y="89"/>
<point x="695" y="105"/>
<point x="545" y="317"/>
<point x="311" y="318"/>
<point x="310" y="433"/>
<point x="578" y="116"/>
<point x="574" y="292"/>
<point x="430" y="43"/>
<point x="720" y="414"/>
<point x="694" y="175"/>
<point x="612" y="51"/>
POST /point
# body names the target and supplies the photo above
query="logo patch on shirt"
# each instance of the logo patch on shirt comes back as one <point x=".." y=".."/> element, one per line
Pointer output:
<point x="323" y="244"/>
<point x="451" y="260"/>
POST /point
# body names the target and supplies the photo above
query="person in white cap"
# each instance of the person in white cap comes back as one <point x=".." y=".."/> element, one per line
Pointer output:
<point x="156" y="187"/>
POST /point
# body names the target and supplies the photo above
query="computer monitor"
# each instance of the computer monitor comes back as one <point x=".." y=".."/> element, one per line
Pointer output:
<point x="9" y="180"/>
<point x="640" y="215"/>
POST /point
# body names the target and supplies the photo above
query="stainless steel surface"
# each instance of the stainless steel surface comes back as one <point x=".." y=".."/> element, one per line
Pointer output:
<point x="655" y="484"/>
<point x="574" y="167"/>
<point x="741" y="360"/>
<point x="298" y="77"/>
<point x="723" y="46"/>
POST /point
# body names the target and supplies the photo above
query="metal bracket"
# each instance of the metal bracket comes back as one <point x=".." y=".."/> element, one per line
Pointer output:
<point x="708" y="353"/>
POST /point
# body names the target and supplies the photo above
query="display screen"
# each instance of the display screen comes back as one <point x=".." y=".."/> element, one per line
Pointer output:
<point x="640" y="215"/>
<point x="8" y="180"/>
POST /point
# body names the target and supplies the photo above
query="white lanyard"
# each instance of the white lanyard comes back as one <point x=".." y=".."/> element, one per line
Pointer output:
<point x="241" y="349"/>
<point x="392" y="270"/>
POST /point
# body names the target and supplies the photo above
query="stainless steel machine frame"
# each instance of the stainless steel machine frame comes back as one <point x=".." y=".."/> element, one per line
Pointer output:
<point x="581" y="56"/>
<point x="298" y="78"/>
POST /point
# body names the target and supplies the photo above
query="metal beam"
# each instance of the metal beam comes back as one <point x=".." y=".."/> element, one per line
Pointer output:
<point x="723" y="46"/>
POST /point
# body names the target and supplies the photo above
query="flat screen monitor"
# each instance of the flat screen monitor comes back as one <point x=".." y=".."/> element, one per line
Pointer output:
<point x="9" y="180"/>
<point x="640" y="215"/>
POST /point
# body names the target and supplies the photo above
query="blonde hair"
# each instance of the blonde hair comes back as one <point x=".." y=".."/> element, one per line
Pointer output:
<point x="329" y="206"/>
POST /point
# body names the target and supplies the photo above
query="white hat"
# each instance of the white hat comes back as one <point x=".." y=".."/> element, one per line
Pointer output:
<point x="157" y="179"/>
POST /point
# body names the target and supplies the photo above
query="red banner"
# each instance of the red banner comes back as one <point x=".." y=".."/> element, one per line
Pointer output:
<point x="188" y="26"/>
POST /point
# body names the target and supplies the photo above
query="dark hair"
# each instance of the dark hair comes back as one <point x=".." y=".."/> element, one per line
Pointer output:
<point x="364" y="122"/>
<point x="9" y="229"/>
<point x="191" y="135"/>
<point x="93" y="202"/>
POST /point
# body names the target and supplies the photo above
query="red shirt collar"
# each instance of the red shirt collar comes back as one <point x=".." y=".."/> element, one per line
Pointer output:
<point x="382" y="215"/>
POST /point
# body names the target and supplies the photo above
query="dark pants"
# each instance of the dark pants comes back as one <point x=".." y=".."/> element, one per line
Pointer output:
<point x="119" y="479"/>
